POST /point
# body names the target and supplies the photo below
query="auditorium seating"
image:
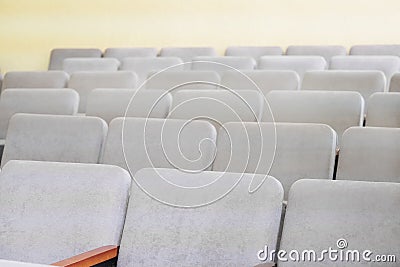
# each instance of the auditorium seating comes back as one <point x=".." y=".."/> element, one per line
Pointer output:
<point x="72" y="65"/>
<point x="186" y="54"/>
<point x="340" y="110"/>
<point x="84" y="82"/>
<point x="136" y="143"/>
<point x="299" y="64"/>
<point x="388" y="50"/>
<point x="178" y="80"/>
<point x="287" y="151"/>
<point x="253" y="51"/>
<point x="217" y="106"/>
<point x="344" y="216"/>
<point x="387" y="64"/>
<point x="227" y="232"/>
<point x="222" y="64"/>
<point x="370" y="154"/>
<point x="325" y="51"/>
<point x="122" y="52"/>
<point x="35" y="79"/>
<point x="365" y="82"/>
<point x="143" y="66"/>
<point x="112" y="103"/>
<point x="394" y="83"/>
<point x="37" y="101"/>
<point x="52" y="211"/>
<point x="383" y="110"/>
<point x="58" y="55"/>
<point x="54" y="138"/>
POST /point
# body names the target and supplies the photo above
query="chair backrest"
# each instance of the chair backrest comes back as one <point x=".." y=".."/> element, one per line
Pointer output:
<point x="63" y="209"/>
<point x="85" y="82"/>
<point x="394" y="83"/>
<point x="122" y="52"/>
<point x="287" y="151"/>
<point x="72" y="65"/>
<point x="58" y="55"/>
<point x="299" y="64"/>
<point x="6" y="263"/>
<point x="340" y="110"/>
<point x="325" y="51"/>
<point x="383" y="110"/>
<point x="136" y="143"/>
<point x="222" y="64"/>
<point x="143" y="66"/>
<point x="217" y="106"/>
<point x="253" y="51"/>
<point x="375" y="50"/>
<point x="59" y="138"/>
<point x="112" y="103"/>
<point x="35" y="79"/>
<point x="183" y="80"/>
<point x="36" y="101"/>
<point x="365" y="82"/>
<point x="387" y="64"/>
<point x="186" y="54"/>
<point x="344" y="216"/>
<point x="227" y="232"/>
<point x="370" y="154"/>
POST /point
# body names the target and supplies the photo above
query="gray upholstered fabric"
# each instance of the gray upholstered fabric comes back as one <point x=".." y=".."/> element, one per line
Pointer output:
<point x="71" y="65"/>
<point x="187" y="53"/>
<point x="299" y="64"/>
<point x="58" y="55"/>
<point x="287" y="151"/>
<point x="370" y="154"/>
<point x="144" y="66"/>
<point x="383" y="110"/>
<point x="52" y="211"/>
<point x="35" y="79"/>
<point x="340" y="110"/>
<point x="6" y="263"/>
<point x="183" y="80"/>
<point x="85" y="82"/>
<point x="112" y="103"/>
<point x="218" y="106"/>
<point x="54" y="138"/>
<point x="122" y="52"/>
<point x="320" y="212"/>
<point x="160" y="143"/>
<point x="222" y="64"/>
<point x="37" y="101"/>
<point x="325" y="51"/>
<point x="388" y="50"/>
<point x="387" y="64"/>
<point x="253" y="51"/>
<point x="228" y="232"/>
<point x="366" y="82"/>
<point x="394" y="83"/>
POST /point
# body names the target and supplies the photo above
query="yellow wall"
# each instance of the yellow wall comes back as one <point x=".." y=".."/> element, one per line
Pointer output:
<point x="29" y="29"/>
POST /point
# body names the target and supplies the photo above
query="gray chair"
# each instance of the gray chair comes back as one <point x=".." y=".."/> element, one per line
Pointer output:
<point x="6" y="263"/>
<point x="394" y="83"/>
<point x="58" y="55"/>
<point x="136" y="143"/>
<point x="51" y="211"/>
<point x="186" y="54"/>
<point x="253" y="51"/>
<point x="227" y="232"/>
<point x="122" y="52"/>
<point x="112" y="103"/>
<point x="54" y="138"/>
<point x="72" y="65"/>
<point x="370" y="154"/>
<point x="222" y="64"/>
<point x="35" y="79"/>
<point x="383" y="110"/>
<point x="346" y="216"/>
<point x="287" y="151"/>
<point x="325" y="51"/>
<point x="85" y="82"/>
<point x="375" y="50"/>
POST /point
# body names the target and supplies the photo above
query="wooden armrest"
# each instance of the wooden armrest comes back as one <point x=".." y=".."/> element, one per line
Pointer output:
<point x="266" y="264"/>
<point x="90" y="258"/>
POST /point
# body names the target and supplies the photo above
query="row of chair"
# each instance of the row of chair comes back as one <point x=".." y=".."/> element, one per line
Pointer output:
<point x="188" y="53"/>
<point x="65" y="209"/>
<point x="287" y="151"/>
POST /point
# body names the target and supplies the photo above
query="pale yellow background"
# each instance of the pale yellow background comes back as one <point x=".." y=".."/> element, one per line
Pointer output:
<point x="29" y="29"/>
